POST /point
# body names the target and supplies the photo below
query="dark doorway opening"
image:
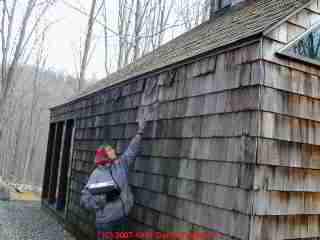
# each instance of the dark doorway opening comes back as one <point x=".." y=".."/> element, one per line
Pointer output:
<point x="55" y="162"/>
<point x="47" y="168"/>
<point x="64" y="167"/>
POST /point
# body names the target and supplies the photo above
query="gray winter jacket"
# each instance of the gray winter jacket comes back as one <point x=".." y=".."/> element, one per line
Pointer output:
<point x="111" y="211"/>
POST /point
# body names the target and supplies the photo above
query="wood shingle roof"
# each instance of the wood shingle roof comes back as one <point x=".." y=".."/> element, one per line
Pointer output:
<point x="233" y="24"/>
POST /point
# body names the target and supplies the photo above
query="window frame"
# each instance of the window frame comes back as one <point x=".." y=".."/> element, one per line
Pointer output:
<point x="282" y="51"/>
<point x="218" y="5"/>
<point x="228" y="5"/>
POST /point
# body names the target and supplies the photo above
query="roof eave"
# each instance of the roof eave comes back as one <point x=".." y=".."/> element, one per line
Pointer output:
<point x="239" y="43"/>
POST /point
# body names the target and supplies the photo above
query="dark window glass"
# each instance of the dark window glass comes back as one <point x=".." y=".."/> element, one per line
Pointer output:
<point x="306" y="47"/>
<point x="225" y="3"/>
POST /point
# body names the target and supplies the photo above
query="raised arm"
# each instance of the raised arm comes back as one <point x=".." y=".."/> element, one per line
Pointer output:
<point x="131" y="152"/>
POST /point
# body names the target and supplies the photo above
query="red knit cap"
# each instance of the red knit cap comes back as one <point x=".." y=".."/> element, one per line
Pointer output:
<point x="102" y="155"/>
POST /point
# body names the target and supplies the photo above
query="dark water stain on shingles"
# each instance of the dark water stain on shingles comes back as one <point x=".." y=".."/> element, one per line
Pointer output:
<point x="171" y="166"/>
<point x="165" y="186"/>
<point x="197" y="193"/>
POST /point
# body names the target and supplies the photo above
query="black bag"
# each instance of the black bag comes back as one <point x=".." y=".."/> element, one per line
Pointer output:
<point x="101" y="188"/>
<point x="109" y="188"/>
<point x="113" y="195"/>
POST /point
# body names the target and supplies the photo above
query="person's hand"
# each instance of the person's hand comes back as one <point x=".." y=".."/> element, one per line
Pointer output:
<point x="147" y="115"/>
<point x="142" y="124"/>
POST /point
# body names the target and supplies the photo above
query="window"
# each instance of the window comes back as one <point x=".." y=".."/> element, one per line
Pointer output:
<point x="225" y="3"/>
<point x="219" y="4"/>
<point x="306" y="47"/>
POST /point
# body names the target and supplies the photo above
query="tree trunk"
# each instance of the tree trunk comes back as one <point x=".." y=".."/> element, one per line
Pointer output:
<point x="84" y="62"/>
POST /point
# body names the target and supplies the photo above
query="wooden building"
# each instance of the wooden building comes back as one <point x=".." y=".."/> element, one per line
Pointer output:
<point x="234" y="145"/>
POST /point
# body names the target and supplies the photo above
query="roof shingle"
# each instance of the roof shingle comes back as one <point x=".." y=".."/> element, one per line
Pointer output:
<point x="235" y="24"/>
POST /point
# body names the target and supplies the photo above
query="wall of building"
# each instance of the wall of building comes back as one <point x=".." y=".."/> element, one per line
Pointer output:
<point x="233" y="146"/>
<point x="196" y="168"/>
<point x="287" y="197"/>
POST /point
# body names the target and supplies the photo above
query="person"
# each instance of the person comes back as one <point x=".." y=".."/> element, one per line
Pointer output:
<point x="112" y="214"/>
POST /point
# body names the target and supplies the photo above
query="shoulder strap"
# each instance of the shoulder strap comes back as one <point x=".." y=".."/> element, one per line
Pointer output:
<point x="92" y="169"/>
<point x="123" y="207"/>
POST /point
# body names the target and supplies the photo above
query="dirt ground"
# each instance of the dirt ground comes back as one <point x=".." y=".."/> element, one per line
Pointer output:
<point x="21" y="217"/>
<point x="25" y="196"/>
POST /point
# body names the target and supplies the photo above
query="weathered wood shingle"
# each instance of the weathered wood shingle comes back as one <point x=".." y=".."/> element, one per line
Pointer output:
<point x="235" y="24"/>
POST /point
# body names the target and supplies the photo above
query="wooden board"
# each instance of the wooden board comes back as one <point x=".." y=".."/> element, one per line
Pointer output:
<point x="199" y="170"/>
<point x="286" y="203"/>
<point x="230" y="125"/>
<point x="285" y="227"/>
<point x="291" y="129"/>
<point x="291" y="104"/>
<point x="229" y="198"/>
<point x="286" y="179"/>
<point x="229" y="222"/>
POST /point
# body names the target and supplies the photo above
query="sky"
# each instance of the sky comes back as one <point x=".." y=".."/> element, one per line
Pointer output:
<point x="64" y="37"/>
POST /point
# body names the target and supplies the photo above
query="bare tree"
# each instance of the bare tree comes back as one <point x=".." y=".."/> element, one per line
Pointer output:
<point x="16" y="143"/>
<point x="85" y="53"/>
<point x="124" y="25"/>
<point x="142" y="25"/>
<point x="157" y="23"/>
<point x="15" y="42"/>
<point x="84" y="62"/>
<point x="192" y="13"/>
<point x="11" y="113"/>
<point x="33" y="113"/>
<point x="19" y="120"/>
<point x="106" y="35"/>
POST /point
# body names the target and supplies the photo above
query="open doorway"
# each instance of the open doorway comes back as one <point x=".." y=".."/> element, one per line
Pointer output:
<point x="47" y="168"/>
<point x="55" y="162"/>
<point x="65" y="164"/>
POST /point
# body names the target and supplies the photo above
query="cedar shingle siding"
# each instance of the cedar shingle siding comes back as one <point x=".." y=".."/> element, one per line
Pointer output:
<point x="233" y="146"/>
